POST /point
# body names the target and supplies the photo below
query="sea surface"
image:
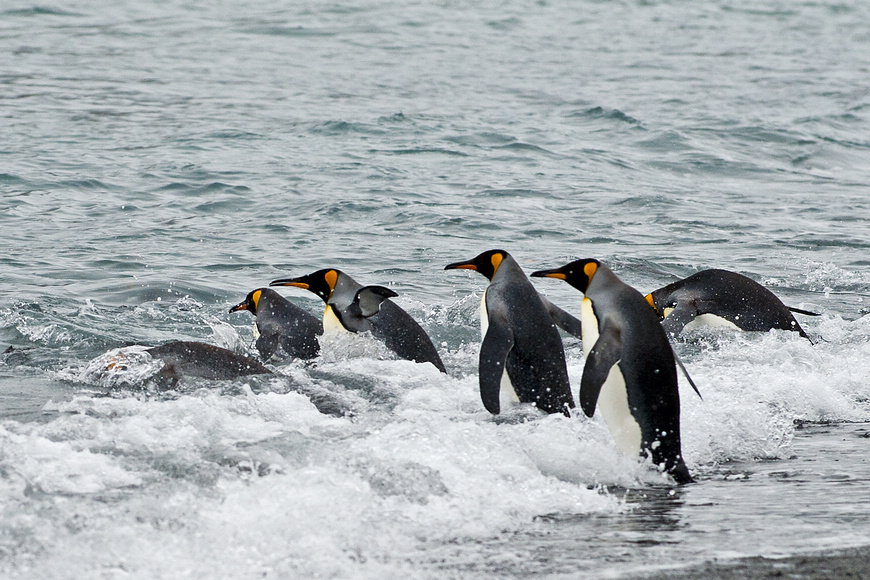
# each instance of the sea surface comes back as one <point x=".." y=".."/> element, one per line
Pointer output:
<point x="159" y="160"/>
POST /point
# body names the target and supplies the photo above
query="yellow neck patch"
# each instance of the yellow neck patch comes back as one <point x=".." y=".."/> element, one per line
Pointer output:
<point x="589" y="269"/>
<point x="256" y="298"/>
<point x="496" y="262"/>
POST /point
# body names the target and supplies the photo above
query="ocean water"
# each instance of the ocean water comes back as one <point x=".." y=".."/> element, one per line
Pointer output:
<point x="160" y="160"/>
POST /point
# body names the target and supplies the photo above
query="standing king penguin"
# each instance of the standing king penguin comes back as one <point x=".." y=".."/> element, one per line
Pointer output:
<point x="281" y="323"/>
<point x="723" y="298"/>
<point x="352" y="307"/>
<point x="630" y="373"/>
<point x="521" y="356"/>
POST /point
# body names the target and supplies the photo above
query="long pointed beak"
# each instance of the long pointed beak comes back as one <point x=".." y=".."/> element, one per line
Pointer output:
<point x="238" y="307"/>
<point x="461" y="266"/>
<point x="296" y="282"/>
<point x="557" y="273"/>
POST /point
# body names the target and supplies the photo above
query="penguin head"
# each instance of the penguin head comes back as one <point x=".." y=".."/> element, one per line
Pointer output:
<point x="486" y="263"/>
<point x="321" y="282"/>
<point x="652" y="302"/>
<point x="252" y="300"/>
<point x="578" y="274"/>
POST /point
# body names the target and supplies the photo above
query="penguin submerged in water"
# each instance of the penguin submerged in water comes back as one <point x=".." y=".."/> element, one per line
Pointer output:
<point x="352" y="307"/>
<point x="197" y="359"/>
<point x="282" y="324"/>
<point x="630" y="372"/>
<point x="723" y="298"/>
<point x="521" y="355"/>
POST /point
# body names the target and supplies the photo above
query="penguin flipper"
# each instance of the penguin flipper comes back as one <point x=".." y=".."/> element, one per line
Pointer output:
<point x="804" y="312"/>
<point x="684" y="313"/>
<point x="563" y="320"/>
<point x="685" y="372"/>
<point x="368" y="299"/>
<point x="494" y="351"/>
<point x="267" y="342"/>
<point x="606" y="352"/>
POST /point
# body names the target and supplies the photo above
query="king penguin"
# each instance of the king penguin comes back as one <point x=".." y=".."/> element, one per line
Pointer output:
<point x="197" y="359"/>
<point x="282" y="324"/>
<point x="352" y="307"/>
<point x="630" y="373"/>
<point x="722" y="298"/>
<point x="521" y="357"/>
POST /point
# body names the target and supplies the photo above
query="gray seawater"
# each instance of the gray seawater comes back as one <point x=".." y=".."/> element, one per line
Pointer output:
<point x="160" y="160"/>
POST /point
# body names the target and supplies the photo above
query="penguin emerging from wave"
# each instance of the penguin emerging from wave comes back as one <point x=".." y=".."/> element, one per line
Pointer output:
<point x="282" y="325"/>
<point x="197" y="359"/>
<point x="722" y="298"/>
<point x="630" y="372"/>
<point x="352" y="307"/>
<point x="522" y="358"/>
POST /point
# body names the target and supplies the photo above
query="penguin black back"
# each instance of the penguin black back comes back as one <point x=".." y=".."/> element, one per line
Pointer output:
<point x="282" y="324"/>
<point x="729" y="296"/>
<point x="197" y="359"/>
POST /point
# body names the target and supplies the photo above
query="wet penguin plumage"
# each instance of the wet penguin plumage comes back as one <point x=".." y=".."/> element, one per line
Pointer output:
<point x="196" y="359"/>
<point x="282" y="325"/>
<point x="521" y="352"/>
<point x="723" y="298"/>
<point x="630" y="374"/>
<point x="353" y="307"/>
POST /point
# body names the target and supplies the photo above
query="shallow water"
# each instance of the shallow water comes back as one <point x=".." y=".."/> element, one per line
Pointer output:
<point x="157" y="162"/>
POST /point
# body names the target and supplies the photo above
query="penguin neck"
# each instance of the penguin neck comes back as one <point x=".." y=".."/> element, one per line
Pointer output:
<point x="589" y="325"/>
<point x="331" y="322"/>
<point x="484" y="318"/>
<point x="341" y="297"/>
<point x="507" y="270"/>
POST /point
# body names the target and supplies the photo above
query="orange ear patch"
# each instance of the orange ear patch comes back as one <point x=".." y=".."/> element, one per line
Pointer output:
<point x="496" y="262"/>
<point x="256" y="298"/>
<point x="589" y="269"/>
<point x="331" y="278"/>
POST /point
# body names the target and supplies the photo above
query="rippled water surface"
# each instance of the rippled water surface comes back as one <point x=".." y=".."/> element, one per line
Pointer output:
<point x="160" y="160"/>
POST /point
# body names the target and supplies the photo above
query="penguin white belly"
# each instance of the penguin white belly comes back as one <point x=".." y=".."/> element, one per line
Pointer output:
<point x="613" y="405"/>
<point x="331" y="322"/>
<point x="507" y="394"/>
<point x="613" y="397"/>
<point x="588" y="326"/>
<point x="709" y="320"/>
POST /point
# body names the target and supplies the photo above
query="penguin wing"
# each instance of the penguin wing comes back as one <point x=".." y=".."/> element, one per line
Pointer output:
<point x="683" y="313"/>
<point x="606" y="352"/>
<point x="563" y="320"/>
<point x="494" y="349"/>
<point x="267" y="342"/>
<point x="368" y="299"/>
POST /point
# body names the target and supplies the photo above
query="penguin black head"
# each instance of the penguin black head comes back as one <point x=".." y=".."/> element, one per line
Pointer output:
<point x="321" y="282"/>
<point x="652" y="302"/>
<point x="252" y="300"/>
<point x="486" y="263"/>
<point x="578" y="274"/>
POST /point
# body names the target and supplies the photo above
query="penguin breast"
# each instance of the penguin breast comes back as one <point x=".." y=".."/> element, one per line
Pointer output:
<point x="331" y="323"/>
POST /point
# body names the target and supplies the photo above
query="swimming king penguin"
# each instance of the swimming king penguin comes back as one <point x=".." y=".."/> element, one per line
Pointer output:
<point x="521" y="356"/>
<point x="353" y="307"/>
<point x="723" y="298"/>
<point x="630" y="373"/>
<point x="281" y="323"/>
